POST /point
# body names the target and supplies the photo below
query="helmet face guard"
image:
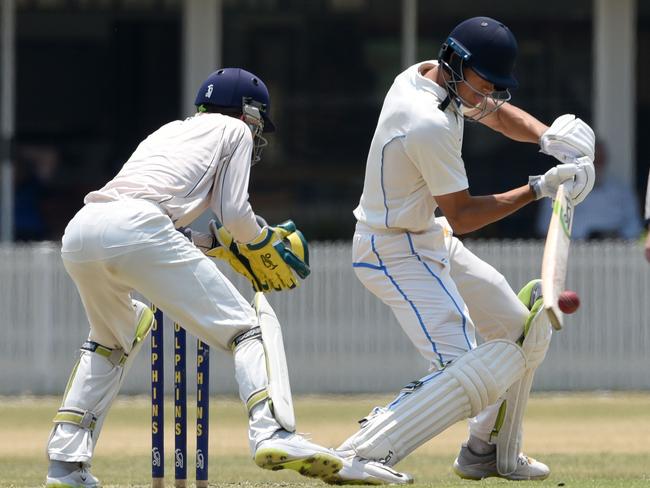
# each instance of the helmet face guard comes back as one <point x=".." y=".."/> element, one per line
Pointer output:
<point x="253" y="116"/>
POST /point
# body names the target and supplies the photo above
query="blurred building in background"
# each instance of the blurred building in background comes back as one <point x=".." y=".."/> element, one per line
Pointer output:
<point x="94" y="77"/>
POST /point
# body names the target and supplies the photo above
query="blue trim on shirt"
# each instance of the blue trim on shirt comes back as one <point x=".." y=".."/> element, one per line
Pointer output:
<point x="426" y="266"/>
<point x="367" y="265"/>
<point x="381" y="168"/>
<point x="417" y="313"/>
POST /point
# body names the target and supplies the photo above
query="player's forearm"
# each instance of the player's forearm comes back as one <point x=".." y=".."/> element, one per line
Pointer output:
<point x="516" y="124"/>
<point x="483" y="210"/>
<point x="231" y="205"/>
<point x="241" y="223"/>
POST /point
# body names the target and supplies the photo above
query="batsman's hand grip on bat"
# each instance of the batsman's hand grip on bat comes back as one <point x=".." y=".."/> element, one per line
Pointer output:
<point x="546" y="185"/>
<point x="584" y="179"/>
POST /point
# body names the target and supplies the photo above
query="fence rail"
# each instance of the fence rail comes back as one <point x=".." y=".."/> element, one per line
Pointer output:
<point x="338" y="337"/>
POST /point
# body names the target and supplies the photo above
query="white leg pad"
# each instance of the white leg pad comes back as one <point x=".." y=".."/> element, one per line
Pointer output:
<point x="538" y="332"/>
<point x="279" y="387"/>
<point x="509" y="437"/>
<point x="461" y="390"/>
<point x="92" y="387"/>
<point x="262" y="375"/>
<point x="252" y="379"/>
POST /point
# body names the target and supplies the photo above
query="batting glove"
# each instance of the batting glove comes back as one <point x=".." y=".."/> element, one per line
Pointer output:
<point x="567" y="139"/>
<point x="546" y="185"/>
<point x="584" y="179"/>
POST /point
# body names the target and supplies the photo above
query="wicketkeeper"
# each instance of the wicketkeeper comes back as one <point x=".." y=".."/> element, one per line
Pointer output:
<point x="125" y="238"/>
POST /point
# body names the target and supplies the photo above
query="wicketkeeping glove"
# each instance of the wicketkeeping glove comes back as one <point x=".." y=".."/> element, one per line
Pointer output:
<point x="270" y="260"/>
<point x="226" y="248"/>
<point x="273" y="260"/>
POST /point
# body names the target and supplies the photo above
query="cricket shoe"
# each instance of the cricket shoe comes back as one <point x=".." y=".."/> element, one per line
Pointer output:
<point x="471" y="466"/>
<point x="359" y="471"/>
<point x="292" y="451"/>
<point x="79" y="478"/>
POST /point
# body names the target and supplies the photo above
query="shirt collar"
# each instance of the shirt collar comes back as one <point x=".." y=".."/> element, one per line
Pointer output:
<point x="427" y="84"/>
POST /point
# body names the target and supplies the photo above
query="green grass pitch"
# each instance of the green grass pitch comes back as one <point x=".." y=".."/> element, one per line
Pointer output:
<point x="590" y="440"/>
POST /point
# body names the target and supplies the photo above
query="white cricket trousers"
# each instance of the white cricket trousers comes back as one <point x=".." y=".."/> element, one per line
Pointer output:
<point x="440" y="293"/>
<point x="109" y="250"/>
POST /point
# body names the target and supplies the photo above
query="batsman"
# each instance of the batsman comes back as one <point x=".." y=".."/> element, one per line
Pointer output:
<point x="126" y="238"/>
<point x="440" y="292"/>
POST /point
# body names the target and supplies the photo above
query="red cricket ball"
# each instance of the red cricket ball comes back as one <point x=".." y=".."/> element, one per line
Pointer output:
<point x="568" y="301"/>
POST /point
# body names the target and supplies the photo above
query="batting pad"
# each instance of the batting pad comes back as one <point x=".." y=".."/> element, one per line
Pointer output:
<point x="537" y="335"/>
<point x="93" y="385"/>
<point x="262" y="376"/>
<point x="509" y="437"/>
<point x="279" y="388"/>
<point x="536" y="341"/>
<point x="461" y="390"/>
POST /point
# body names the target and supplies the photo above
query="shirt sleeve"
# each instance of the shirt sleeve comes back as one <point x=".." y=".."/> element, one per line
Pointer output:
<point x="231" y="204"/>
<point x="433" y="150"/>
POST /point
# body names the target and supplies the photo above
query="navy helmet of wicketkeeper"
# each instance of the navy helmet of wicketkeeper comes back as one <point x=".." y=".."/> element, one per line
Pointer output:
<point x="238" y="93"/>
<point x="487" y="47"/>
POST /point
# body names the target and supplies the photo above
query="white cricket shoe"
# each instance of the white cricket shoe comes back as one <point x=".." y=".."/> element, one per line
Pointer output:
<point x="471" y="466"/>
<point x="79" y="478"/>
<point x="292" y="451"/>
<point x="359" y="471"/>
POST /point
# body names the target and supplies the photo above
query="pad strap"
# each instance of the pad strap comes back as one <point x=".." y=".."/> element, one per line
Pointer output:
<point x="117" y="357"/>
<point x="76" y="416"/>
<point x="254" y="333"/>
<point x="256" y="398"/>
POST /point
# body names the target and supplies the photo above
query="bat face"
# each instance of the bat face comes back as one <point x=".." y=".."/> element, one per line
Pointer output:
<point x="556" y="253"/>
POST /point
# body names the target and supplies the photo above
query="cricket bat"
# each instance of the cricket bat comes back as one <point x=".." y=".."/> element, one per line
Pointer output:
<point x="556" y="253"/>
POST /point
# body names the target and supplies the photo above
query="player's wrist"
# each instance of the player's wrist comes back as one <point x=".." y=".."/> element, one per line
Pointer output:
<point x="535" y="184"/>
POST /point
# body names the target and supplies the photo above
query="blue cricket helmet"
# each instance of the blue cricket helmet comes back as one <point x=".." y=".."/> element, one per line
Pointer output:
<point x="228" y="87"/>
<point x="486" y="46"/>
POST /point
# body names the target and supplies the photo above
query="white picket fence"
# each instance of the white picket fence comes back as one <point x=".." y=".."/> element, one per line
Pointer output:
<point x="339" y="338"/>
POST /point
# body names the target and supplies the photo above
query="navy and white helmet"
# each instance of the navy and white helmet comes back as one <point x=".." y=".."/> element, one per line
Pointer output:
<point x="240" y="91"/>
<point x="231" y="87"/>
<point x="489" y="48"/>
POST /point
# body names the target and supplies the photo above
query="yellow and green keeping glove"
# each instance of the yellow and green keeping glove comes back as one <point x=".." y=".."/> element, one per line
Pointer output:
<point x="225" y="248"/>
<point x="270" y="260"/>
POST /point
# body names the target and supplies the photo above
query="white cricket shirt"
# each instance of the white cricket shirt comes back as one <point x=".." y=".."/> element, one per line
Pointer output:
<point x="189" y="165"/>
<point x="414" y="155"/>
